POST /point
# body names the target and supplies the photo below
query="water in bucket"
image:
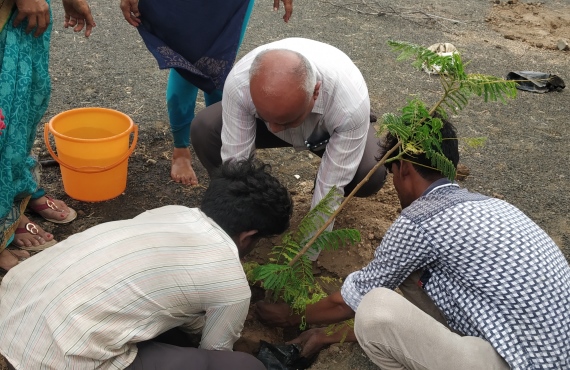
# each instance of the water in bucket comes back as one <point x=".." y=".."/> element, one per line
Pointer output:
<point x="93" y="151"/>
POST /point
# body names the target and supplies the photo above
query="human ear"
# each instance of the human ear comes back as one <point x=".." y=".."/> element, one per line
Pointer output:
<point x="246" y="238"/>
<point x="405" y="168"/>
<point x="316" y="90"/>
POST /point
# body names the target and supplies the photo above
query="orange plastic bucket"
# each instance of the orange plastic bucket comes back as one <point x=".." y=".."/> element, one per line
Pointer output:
<point x="93" y="151"/>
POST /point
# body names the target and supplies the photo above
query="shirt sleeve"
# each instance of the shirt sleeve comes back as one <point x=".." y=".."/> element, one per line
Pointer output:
<point x="238" y="115"/>
<point x="404" y="249"/>
<point x="223" y="325"/>
<point x="344" y="150"/>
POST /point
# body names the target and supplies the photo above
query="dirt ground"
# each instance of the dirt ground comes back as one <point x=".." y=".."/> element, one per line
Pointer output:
<point x="525" y="160"/>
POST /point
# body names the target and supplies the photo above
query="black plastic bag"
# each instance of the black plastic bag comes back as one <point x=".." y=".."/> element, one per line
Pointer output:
<point x="537" y="82"/>
<point x="282" y="357"/>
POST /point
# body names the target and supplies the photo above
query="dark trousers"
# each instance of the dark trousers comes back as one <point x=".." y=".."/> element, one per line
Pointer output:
<point x="161" y="356"/>
<point x="206" y="130"/>
<point x="172" y="351"/>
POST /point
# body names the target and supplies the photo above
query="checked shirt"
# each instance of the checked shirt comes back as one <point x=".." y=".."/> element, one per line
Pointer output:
<point x="495" y="274"/>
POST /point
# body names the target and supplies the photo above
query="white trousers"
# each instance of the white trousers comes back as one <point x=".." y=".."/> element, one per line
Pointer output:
<point x="396" y="334"/>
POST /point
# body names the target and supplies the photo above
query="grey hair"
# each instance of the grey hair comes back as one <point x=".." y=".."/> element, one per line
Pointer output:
<point x="303" y="69"/>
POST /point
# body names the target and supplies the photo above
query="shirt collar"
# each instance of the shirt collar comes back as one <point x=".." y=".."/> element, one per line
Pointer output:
<point x="439" y="184"/>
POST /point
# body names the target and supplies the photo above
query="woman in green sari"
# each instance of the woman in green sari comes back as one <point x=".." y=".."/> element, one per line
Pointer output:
<point x="24" y="96"/>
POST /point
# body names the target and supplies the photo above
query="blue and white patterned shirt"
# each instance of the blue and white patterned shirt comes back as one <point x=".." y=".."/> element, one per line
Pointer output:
<point x="495" y="274"/>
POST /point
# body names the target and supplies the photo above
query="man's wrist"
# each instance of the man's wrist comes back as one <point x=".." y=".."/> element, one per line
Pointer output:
<point x="294" y="319"/>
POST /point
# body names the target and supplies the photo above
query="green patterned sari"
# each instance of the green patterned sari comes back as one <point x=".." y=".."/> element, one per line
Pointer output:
<point x="24" y="95"/>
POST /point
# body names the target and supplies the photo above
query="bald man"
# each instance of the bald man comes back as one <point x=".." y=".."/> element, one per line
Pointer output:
<point x="296" y="93"/>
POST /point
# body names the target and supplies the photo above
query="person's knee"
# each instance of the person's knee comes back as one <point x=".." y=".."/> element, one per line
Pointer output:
<point x="373" y="185"/>
<point x="367" y="163"/>
<point x="198" y="127"/>
<point x="206" y="124"/>
<point x="377" y="312"/>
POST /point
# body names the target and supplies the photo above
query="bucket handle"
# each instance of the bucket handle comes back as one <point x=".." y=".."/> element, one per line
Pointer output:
<point x="135" y="130"/>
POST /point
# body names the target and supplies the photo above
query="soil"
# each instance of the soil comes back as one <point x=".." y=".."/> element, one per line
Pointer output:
<point x="532" y="23"/>
<point x="525" y="160"/>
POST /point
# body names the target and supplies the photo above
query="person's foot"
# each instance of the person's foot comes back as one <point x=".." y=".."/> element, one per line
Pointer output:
<point x="182" y="170"/>
<point x="30" y="235"/>
<point x="52" y="210"/>
<point x="10" y="258"/>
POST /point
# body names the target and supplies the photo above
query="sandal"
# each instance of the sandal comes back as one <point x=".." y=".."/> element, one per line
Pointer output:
<point x="34" y="230"/>
<point x="49" y="203"/>
<point x="18" y="257"/>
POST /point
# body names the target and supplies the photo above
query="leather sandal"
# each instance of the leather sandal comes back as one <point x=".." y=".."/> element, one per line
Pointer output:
<point x="49" y="203"/>
<point x="32" y="229"/>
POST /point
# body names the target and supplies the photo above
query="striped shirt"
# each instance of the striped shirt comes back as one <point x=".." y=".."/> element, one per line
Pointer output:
<point x="85" y="302"/>
<point x="341" y="111"/>
<point x="495" y="274"/>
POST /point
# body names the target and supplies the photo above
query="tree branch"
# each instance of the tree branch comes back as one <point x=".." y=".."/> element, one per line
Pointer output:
<point x="344" y="202"/>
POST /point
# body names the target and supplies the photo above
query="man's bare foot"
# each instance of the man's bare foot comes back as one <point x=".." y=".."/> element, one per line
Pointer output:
<point x="52" y="210"/>
<point x="10" y="258"/>
<point x="182" y="170"/>
<point x="33" y="236"/>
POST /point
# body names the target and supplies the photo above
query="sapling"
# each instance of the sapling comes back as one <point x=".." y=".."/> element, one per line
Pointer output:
<point x="294" y="283"/>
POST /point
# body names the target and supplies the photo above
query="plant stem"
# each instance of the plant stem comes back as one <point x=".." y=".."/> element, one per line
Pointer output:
<point x="341" y="206"/>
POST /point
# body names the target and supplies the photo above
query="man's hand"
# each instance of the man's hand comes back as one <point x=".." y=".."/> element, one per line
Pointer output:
<point x="37" y="13"/>
<point x="276" y="314"/>
<point x="329" y="310"/>
<point x="288" y="4"/>
<point x="312" y="341"/>
<point x="130" y="9"/>
<point x="78" y="15"/>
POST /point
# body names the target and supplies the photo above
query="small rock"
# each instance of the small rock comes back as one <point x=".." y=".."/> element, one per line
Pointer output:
<point x="371" y="236"/>
<point x="539" y="45"/>
<point x="562" y="45"/>
<point x="151" y="161"/>
<point x="462" y="172"/>
<point x="378" y="235"/>
<point x="80" y="213"/>
<point x="297" y="177"/>
<point x="498" y="196"/>
<point x="335" y="348"/>
<point x="510" y="37"/>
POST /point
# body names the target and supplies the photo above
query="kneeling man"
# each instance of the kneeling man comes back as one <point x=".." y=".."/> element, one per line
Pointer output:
<point x="98" y="299"/>
<point x="484" y="287"/>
